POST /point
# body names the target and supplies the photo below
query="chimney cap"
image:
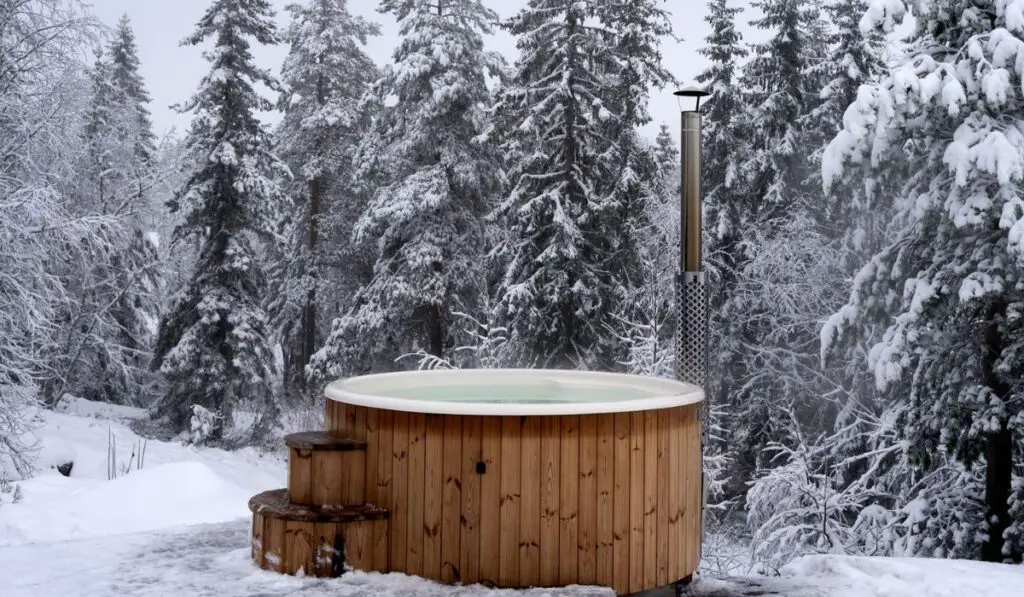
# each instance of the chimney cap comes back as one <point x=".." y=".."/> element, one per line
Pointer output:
<point x="692" y="91"/>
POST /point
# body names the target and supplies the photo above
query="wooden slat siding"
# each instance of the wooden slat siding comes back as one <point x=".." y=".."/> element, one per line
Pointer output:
<point x="273" y="544"/>
<point x="416" y="496"/>
<point x="298" y="547"/>
<point x="587" y="533"/>
<point x="358" y="551"/>
<point x="330" y="478"/>
<point x="256" y="540"/>
<point x="511" y="459"/>
<point x="675" y="494"/>
<point x="694" y="470"/>
<point x="469" y="540"/>
<point x="300" y="476"/>
<point x="372" y="447"/>
<point x="636" y="502"/>
<point x="433" y="494"/>
<point x="550" y="492"/>
<point x="568" y="503"/>
<point x="621" y="493"/>
<point x="399" y="506"/>
<point x="664" y="431"/>
<point x="451" y="501"/>
<point x="490" y="496"/>
<point x="356" y="416"/>
<point x="324" y="538"/>
<point x="352" y="421"/>
<point x="605" y="505"/>
<point x="529" y="506"/>
<point x="385" y="461"/>
<point x="650" y="481"/>
<point x="331" y="415"/>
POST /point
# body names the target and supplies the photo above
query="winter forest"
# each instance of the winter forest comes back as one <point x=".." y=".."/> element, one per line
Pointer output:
<point x="864" y="232"/>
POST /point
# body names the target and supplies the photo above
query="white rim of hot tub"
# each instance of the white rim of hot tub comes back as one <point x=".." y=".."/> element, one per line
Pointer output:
<point x="358" y="391"/>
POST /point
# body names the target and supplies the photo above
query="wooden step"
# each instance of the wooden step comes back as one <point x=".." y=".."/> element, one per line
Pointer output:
<point x="326" y="469"/>
<point x="323" y="542"/>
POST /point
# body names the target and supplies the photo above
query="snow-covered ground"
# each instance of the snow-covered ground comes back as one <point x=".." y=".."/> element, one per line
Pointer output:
<point x="179" y="525"/>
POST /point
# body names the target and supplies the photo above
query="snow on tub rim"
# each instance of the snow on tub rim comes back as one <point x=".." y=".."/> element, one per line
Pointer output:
<point x="512" y="392"/>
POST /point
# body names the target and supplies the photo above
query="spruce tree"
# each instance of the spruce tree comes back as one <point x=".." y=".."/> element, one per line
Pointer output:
<point x="767" y="362"/>
<point x="325" y="75"/>
<point x="435" y="176"/>
<point x="128" y="83"/>
<point x="724" y="145"/>
<point x="556" y="298"/>
<point x="947" y="291"/>
<point x="213" y="347"/>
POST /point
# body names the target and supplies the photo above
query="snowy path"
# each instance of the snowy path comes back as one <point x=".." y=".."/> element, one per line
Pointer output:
<point x="213" y="561"/>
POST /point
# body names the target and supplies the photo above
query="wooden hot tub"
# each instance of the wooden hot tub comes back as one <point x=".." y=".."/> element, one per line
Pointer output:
<point x="536" y="491"/>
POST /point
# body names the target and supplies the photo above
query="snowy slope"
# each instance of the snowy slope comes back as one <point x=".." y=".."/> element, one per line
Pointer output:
<point x="180" y="526"/>
<point x="177" y="484"/>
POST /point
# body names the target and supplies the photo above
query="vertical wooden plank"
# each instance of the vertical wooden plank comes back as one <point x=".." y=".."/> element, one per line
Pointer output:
<point x="663" y="499"/>
<point x="677" y="483"/>
<point x="650" y="499"/>
<point x="358" y="551"/>
<point x="299" y="548"/>
<point x="693" y="467"/>
<point x="372" y="447"/>
<point x="621" y="491"/>
<point x="636" y="502"/>
<point x="331" y="477"/>
<point x="605" y="505"/>
<point x="399" y="510"/>
<point x="256" y="539"/>
<point x="529" y="506"/>
<point x="568" y="504"/>
<point x="350" y="412"/>
<point x="451" y="503"/>
<point x="550" y="496"/>
<point x="511" y="438"/>
<point x="325" y="553"/>
<point x="273" y="544"/>
<point x="433" y="494"/>
<point x="358" y="475"/>
<point x="417" y="465"/>
<point x="490" y="500"/>
<point x="587" y="533"/>
<point x="332" y="415"/>
<point x="385" y="460"/>
<point x="300" y="476"/>
<point x="469" y="540"/>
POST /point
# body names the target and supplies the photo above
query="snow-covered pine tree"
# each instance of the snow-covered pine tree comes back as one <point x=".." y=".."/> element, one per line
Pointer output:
<point x="767" y="356"/>
<point x="724" y="153"/>
<point x="948" y="291"/>
<point x="723" y="145"/>
<point x="106" y="344"/>
<point x="213" y="345"/>
<point x="436" y="176"/>
<point x="633" y="33"/>
<point x="325" y="75"/>
<point x="556" y="297"/>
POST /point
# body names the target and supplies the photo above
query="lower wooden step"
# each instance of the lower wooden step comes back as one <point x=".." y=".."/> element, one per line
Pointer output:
<point x="317" y="541"/>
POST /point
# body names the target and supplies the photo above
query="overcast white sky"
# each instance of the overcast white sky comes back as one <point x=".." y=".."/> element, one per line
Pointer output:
<point x="172" y="72"/>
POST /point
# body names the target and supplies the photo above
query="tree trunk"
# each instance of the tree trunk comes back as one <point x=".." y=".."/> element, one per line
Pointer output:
<point x="435" y="331"/>
<point x="998" y="446"/>
<point x="309" y="309"/>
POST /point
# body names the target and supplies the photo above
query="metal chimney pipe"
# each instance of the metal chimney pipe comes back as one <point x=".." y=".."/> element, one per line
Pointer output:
<point x="694" y="298"/>
<point x="692" y="358"/>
